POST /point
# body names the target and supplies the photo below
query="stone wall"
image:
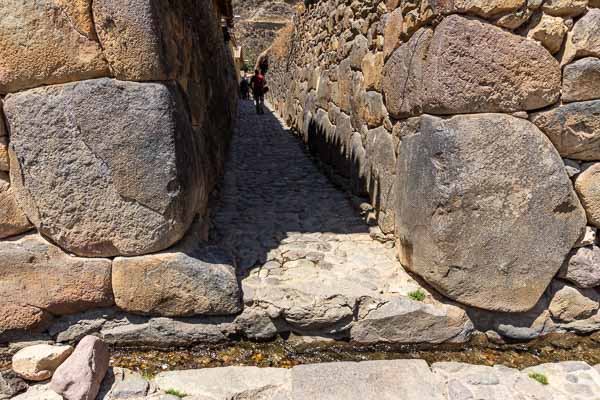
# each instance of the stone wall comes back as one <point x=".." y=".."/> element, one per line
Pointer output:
<point x="473" y="128"/>
<point x="115" y="118"/>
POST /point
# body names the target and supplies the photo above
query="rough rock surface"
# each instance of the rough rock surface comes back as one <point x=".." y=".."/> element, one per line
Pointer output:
<point x="37" y="278"/>
<point x="459" y="75"/>
<point x="12" y="220"/>
<point x="166" y="332"/>
<point x="587" y="185"/>
<point x="185" y="281"/>
<point x="404" y="76"/>
<point x="121" y="383"/>
<point x="571" y="379"/>
<point x="570" y="304"/>
<point x="550" y="32"/>
<point x="491" y="383"/>
<point x="39" y="45"/>
<point x="369" y="380"/>
<point x="11" y="385"/>
<point x="401" y="320"/>
<point x="80" y="376"/>
<point x="472" y="190"/>
<point x="38" y="362"/>
<point x="39" y="392"/>
<point x="582" y="267"/>
<point x="4" y="160"/>
<point x="228" y="382"/>
<point x="581" y="80"/>
<point x="565" y="8"/>
<point x="584" y="39"/>
<point x="481" y="8"/>
<point x="119" y="174"/>
<point x="573" y="128"/>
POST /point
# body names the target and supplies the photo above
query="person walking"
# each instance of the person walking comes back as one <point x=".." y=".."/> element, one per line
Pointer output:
<point x="258" y="91"/>
<point x="245" y="88"/>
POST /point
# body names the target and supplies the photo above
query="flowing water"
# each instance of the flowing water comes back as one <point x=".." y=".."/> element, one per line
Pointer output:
<point x="286" y="354"/>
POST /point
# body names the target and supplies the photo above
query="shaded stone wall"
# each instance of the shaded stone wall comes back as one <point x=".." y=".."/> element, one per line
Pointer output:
<point x="472" y="127"/>
<point x="115" y="118"/>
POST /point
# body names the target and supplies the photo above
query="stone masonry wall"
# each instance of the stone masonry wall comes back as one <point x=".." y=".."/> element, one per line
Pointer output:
<point x="473" y="127"/>
<point x="115" y="118"/>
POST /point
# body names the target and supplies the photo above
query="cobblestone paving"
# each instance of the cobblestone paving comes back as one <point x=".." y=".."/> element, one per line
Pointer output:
<point x="274" y="195"/>
<point x="305" y="255"/>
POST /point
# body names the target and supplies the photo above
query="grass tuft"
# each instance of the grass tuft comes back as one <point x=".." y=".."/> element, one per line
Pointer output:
<point x="417" y="295"/>
<point x="541" y="378"/>
<point x="175" y="392"/>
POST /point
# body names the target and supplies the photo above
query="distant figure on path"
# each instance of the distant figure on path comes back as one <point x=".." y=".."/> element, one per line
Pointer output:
<point x="258" y="90"/>
<point x="245" y="88"/>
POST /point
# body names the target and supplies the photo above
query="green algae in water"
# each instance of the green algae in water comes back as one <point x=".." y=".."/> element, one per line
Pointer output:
<point x="287" y="354"/>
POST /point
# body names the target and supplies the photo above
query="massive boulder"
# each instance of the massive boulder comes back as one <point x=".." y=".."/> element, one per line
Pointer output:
<point x="486" y="225"/>
<point x="469" y="67"/>
<point x="185" y="281"/>
<point x="39" y="44"/>
<point x="573" y="128"/>
<point x="37" y="278"/>
<point x="119" y="172"/>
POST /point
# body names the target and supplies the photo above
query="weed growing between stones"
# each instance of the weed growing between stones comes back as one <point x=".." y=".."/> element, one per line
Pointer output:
<point x="175" y="392"/>
<point x="541" y="378"/>
<point x="417" y="295"/>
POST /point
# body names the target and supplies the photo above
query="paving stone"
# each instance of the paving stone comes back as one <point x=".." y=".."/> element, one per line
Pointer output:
<point x="226" y="383"/>
<point x="370" y="380"/>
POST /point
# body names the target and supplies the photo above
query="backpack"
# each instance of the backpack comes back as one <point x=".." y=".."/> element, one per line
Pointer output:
<point x="259" y="83"/>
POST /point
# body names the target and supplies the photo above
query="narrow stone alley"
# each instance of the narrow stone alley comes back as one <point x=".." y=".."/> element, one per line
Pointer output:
<point x="308" y="261"/>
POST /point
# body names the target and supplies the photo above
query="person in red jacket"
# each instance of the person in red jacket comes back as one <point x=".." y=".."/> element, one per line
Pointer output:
<point x="258" y="90"/>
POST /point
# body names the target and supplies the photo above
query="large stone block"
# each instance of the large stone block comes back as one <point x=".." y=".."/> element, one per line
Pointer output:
<point x="404" y="76"/>
<point x="185" y="281"/>
<point x="152" y="40"/>
<point x="565" y="8"/>
<point x="471" y="209"/>
<point x="469" y="67"/>
<point x="401" y="320"/>
<point x="573" y="128"/>
<point x="584" y="39"/>
<point x="104" y="167"/>
<point x="581" y="80"/>
<point x="12" y="219"/>
<point x="480" y="8"/>
<point x="37" y="278"/>
<point x="41" y="44"/>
